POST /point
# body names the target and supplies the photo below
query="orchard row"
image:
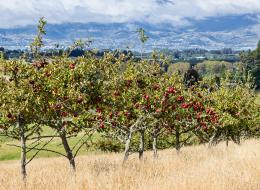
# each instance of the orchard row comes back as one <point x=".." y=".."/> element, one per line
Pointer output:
<point x="117" y="98"/>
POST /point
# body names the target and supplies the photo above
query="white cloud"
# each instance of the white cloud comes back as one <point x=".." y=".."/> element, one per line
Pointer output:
<point x="24" y="12"/>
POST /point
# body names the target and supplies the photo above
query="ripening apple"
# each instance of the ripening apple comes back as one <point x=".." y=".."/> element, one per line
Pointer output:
<point x="47" y="74"/>
<point x="146" y="97"/>
<point x="128" y="83"/>
<point x="180" y="98"/>
<point x="166" y="94"/>
<point x="171" y="90"/>
<point x="72" y="66"/>
<point x="80" y="99"/>
<point x="127" y="114"/>
<point x="98" y="110"/>
<point x="137" y="105"/>
<point x="117" y="93"/>
<point x="102" y="125"/>
<point x="195" y="107"/>
<point x="198" y="116"/>
<point x="64" y="114"/>
<point x="57" y="106"/>
<point x="9" y="116"/>
<point x="158" y="110"/>
<point x="185" y="105"/>
<point x="156" y="86"/>
<point x="110" y="115"/>
<point x="65" y="98"/>
<point x="32" y="82"/>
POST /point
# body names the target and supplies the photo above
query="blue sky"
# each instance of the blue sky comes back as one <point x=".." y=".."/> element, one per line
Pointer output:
<point x="175" y="12"/>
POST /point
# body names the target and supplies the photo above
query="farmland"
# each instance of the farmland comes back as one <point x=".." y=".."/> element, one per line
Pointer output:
<point x="125" y="122"/>
<point x="197" y="167"/>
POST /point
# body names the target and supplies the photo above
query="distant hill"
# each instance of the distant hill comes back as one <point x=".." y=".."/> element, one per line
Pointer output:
<point x="237" y="32"/>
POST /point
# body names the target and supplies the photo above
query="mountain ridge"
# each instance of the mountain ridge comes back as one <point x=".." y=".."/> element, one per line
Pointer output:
<point x="236" y="31"/>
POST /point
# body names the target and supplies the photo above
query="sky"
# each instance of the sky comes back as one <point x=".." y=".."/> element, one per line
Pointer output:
<point x="15" y="13"/>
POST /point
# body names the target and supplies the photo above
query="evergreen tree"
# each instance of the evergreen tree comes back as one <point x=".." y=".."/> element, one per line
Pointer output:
<point x="191" y="77"/>
<point x="256" y="70"/>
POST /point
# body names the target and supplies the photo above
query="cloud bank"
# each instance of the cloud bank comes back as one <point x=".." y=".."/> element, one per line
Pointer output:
<point x="175" y="12"/>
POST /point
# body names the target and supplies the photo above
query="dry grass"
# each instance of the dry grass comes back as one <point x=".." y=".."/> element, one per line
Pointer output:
<point x="219" y="168"/>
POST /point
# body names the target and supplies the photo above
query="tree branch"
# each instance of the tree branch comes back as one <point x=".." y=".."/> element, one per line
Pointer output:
<point x="42" y="137"/>
<point x="32" y="132"/>
<point x="38" y="151"/>
<point x="77" y="151"/>
<point x="41" y="149"/>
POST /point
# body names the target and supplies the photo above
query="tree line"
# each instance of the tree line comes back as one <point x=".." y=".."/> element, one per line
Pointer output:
<point x="129" y="101"/>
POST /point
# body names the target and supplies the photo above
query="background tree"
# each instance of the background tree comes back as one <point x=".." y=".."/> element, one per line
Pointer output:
<point x="143" y="38"/>
<point x="239" y="114"/>
<point x="65" y="88"/>
<point x="38" y="40"/>
<point x="191" y="77"/>
<point x="19" y="108"/>
<point x="129" y="103"/>
<point x="179" y="68"/>
<point x="256" y="69"/>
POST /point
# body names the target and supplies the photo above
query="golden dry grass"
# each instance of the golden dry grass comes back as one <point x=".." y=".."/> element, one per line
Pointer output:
<point x="196" y="168"/>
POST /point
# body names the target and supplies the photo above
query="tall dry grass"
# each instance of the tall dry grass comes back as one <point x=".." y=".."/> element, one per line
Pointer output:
<point x="220" y="168"/>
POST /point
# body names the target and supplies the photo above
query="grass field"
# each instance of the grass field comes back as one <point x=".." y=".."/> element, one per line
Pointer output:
<point x="13" y="153"/>
<point x="195" y="168"/>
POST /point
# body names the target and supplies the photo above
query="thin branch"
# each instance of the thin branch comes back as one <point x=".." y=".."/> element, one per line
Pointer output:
<point x="48" y="150"/>
<point x="10" y="136"/>
<point x="42" y="137"/>
<point x="32" y="132"/>
<point x="77" y="151"/>
<point x="33" y="147"/>
<point x="79" y="141"/>
<point x="50" y="136"/>
<point x="42" y="149"/>
<point x="39" y="151"/>
<point x="14" y="145"/>
<point x="184" y="141"/>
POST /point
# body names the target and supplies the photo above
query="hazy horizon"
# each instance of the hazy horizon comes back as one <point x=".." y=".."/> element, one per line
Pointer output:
<point x="171" y="24"/>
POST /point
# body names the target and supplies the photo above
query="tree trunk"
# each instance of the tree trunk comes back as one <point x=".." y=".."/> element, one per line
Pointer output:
<point x="68" y="150"/>
<point x="177" y="140"/>
<point x="141" y="146"/>
<point x="236" y="139"/>
<point x="20" y="126"/>
<point x="127" y="146"/>
<point x="227" y="142"/>
<point x="213" y="140"/>
<point x="155" y="153"/>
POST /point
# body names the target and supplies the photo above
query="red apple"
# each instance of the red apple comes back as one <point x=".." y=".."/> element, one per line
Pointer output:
<point x="180" y="98"/>
<point x="171" y="90"/>
<point x="185" y="105"/>
<point x="102" y="125"/>
<point x="57" y="106"/>
<point x="80" y="99"/>
<point x="10" y="116"/>
<point x="64" y="114"/>
<point x="72" y="66"/>
<point x="146" y="97"/>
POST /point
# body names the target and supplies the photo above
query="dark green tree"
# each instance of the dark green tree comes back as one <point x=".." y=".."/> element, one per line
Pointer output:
<point x="256" y="69"/>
